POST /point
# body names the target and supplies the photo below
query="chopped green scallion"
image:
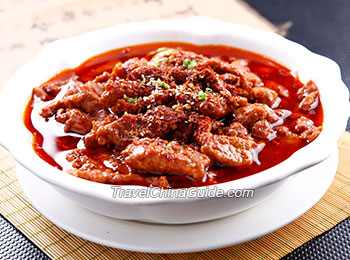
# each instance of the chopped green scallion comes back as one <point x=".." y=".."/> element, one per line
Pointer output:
<point x="163" y="84"/>
<point x="132" y="100"/>
<point x="202" y="95"/>
<point x="169" y="146"/>
<point x="190" y="64"/>
<point x="186" y="62"/>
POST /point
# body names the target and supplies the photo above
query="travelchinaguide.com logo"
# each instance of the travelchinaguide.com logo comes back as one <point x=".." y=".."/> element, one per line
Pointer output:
<point x="193" y="192"/>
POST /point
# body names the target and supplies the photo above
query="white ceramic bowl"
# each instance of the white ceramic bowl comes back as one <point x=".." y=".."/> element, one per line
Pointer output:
<point x="71" y="52"/>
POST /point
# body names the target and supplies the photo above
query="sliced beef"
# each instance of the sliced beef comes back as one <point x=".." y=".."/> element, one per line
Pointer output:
<point x="75" y="94"/>
<point x="311" y="134"/>
<point x="229" y="150"/>
<point x="49" y="90"/>
<point x="238" y="68"/>
<point x="288" y="135"/>
<point x="123" y="106"/>
<point x="75" y="120"/>
<point x="230" y="78"/>
<point x="309" y="96"/>
<point x="236" y="150"/>
<point x="157" y="155"/>
<point x="120" y="89"/>
<point x="266" y="96"/>
<point x="303" y="129"/>
<point x="157" y="122"/>
<point x="184" y="132"/>
<point x="236" y="129"/>
<point x="118" y="72"/>
<point x="181" y="76"/>
<point x="134" y="96"/>
<point x="162" y="120"/>
<point x="237" y="101"/>
<point x="302" y="124"/>
<point x="248" y="115"/>
<point x="118" y="133"/>
<point x="263" y="130"/>
<point x="103" y="78"/>
<point x="230" y="94"/>
<point x="306" y="129"/>
<point x="143" y="72"/>
<point x="94" y="168"/>
<point x="203" y="126"/>
<point x="216" y="82"/>
<point x="213" y="105"/>
<point x="131" y="64"/>
<point x="282" y="91"/>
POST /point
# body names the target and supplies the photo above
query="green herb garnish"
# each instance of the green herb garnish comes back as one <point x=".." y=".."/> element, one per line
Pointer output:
<point x="186" y="62"/>
<point x="190" y="64"/>
<point x="132" y="100"/>
<point x="163" y="84"/>
<point x="208" y="90"/>
<point x="202" y="95"/>
<point x="175" y="106"/>
<point x="169" y="146"/>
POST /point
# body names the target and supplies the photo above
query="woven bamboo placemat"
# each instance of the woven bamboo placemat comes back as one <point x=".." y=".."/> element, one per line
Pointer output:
<point x="36" y="23"/>
<point x="333" y="207"/>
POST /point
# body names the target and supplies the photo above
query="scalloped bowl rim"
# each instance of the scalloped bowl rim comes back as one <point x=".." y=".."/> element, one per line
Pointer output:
<point x="197" y="30"/>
